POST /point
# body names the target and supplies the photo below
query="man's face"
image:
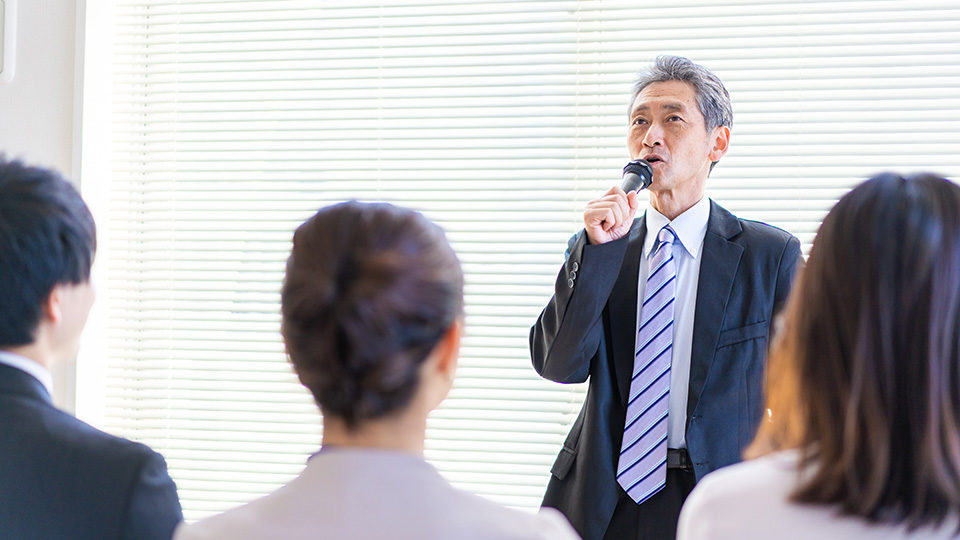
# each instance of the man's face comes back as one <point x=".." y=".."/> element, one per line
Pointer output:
<point x="667" y="129"/>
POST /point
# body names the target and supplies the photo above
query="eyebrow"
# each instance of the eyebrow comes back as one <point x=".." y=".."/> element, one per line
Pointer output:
<point x="669" y="106"/>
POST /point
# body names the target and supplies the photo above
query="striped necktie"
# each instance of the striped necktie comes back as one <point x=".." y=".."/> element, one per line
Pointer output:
<point x="642" y="468"/>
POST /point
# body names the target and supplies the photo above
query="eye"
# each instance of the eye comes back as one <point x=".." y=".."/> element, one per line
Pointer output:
<point x="639" y="121"/>
<point x="674" y="118"/>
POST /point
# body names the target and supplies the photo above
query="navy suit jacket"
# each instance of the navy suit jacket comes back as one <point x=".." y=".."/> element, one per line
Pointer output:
<point x="588" y="330"/>
<point x="63" y="479"/>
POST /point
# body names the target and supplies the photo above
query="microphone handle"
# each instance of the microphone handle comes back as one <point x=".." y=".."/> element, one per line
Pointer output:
<point x="631" y="182"/>
<point x="637" y="175"/>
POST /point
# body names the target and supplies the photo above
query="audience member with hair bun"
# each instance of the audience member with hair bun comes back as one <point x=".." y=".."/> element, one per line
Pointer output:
<point x="862" y="439"/>
<point x="372" y="310"/>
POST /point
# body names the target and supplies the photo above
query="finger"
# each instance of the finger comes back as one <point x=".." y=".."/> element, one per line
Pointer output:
<point x="611" y="218"/>
<point x="612" y="213"/>
<point x="598" y="216"/>
<point x="618" y="198"/>
<point x="623" y="202"/>
<point x="615" y="190"/>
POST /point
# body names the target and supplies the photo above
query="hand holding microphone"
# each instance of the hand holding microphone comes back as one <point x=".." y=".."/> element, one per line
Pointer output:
<point x="611" y="216"/>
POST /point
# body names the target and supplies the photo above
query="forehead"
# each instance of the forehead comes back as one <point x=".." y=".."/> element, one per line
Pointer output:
<point x="667" y="96"/>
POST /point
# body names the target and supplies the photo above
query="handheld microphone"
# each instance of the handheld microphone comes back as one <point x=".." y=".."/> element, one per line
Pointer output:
<point x="637" y="175"/>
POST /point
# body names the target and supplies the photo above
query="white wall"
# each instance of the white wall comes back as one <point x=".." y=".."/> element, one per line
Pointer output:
<point x="37" y="108"/>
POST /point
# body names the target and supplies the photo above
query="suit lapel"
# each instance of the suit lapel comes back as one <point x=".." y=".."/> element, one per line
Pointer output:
<point x="623" y="309"/>
<point x="718" y="267"/>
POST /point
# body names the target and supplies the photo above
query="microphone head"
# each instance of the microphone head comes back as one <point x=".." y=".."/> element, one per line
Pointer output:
<point x="637" y="175"/>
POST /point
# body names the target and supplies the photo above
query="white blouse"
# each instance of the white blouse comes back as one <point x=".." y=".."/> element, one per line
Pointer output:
<point x="366" y="494"/>
<point x="750" y="501"/>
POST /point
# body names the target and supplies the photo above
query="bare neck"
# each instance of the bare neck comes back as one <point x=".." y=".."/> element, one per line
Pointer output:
<point x="403" y="432"/>
<point x="675" y="202"/>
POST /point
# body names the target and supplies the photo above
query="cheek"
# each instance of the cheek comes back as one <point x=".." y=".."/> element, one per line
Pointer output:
<point x="689" y="145"/>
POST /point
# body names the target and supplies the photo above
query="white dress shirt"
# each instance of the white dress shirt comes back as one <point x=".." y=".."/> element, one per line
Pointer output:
<point x="751" y="501"/>
<point x="690" y="228"/>
<point x="31" y="367"/>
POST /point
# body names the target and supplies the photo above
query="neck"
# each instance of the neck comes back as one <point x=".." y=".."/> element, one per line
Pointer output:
<point x="403" y="432"/>
<point x="673" y="203"/>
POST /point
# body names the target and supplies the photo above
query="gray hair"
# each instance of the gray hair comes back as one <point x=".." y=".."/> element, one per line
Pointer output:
<point x="712" y="97"/>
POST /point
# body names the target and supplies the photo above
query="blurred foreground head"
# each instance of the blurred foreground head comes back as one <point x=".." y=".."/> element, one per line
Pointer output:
<point x="865" y="376"/>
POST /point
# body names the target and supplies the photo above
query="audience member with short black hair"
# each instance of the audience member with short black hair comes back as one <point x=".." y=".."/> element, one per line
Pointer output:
<point x="372" y="307"/>
<point x="863" y="389"/>
<point x="59" y="477"/>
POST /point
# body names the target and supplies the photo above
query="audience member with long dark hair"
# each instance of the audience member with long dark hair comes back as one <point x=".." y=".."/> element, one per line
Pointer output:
<point x="372" y="307"/>
<point x="862" y="438"/>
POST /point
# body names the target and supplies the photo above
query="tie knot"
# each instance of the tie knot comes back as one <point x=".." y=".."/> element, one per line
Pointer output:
<point x="666" y="235"/>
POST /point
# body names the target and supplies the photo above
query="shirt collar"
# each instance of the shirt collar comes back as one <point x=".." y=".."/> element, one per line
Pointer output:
<point x="29" y="366"/>
<point x="690" y="227"/>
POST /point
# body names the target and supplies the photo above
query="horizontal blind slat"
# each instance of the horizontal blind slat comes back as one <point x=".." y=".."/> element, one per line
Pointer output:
<point x="232" y="121"/>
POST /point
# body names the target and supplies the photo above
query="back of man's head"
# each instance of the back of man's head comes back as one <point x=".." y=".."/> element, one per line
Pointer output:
<point x="47" y="237"/>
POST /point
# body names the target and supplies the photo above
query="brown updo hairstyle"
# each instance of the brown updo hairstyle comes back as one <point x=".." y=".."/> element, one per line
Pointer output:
<point x="865" y="378"/>
<point x="370" y="289"/>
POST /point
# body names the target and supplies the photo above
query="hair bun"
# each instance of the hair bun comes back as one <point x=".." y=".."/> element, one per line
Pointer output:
<point x="369" y="291"/>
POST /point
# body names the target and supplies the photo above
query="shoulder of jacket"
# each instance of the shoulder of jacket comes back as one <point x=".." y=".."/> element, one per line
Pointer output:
<point x="759" y="229"/>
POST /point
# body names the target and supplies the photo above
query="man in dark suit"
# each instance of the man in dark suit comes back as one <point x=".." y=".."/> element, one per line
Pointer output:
<point x="671" y="327"/>
<point x="59" y="477"/>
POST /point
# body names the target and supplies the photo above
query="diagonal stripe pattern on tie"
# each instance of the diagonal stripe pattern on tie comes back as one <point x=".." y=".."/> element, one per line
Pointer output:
<point x="642" y="468"/>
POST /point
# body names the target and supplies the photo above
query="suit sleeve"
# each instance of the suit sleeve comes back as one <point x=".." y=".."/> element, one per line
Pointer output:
<point x="791" y="261"/>
<point x="153" y="510"/>
<point x="569" y="330"/>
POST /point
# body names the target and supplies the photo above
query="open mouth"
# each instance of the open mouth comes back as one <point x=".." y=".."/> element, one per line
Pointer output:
<point x="653" y="159"/>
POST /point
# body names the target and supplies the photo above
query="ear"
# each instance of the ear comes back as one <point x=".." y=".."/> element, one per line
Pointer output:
<point x="52" y="307"/>
<point x="721" y="143"/>
<point x="448" y="349"/>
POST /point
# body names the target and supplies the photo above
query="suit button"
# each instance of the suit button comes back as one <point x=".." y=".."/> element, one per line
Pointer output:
<point x="575" y="266"/>
<point x="570" y="283"/>
<point x="573" y="275"/>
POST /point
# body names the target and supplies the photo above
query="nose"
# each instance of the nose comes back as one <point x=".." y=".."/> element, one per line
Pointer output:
<point x="653" y="136"/>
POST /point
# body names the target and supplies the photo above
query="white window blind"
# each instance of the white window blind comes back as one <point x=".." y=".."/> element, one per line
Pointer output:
<point x="230" y="122"/>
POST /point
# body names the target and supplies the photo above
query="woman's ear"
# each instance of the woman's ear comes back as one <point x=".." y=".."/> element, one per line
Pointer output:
<point x="437" y="372"/>
<point x="448" y="349"/>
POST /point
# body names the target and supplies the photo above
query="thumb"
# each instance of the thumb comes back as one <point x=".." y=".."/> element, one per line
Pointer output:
<point x="633" y="199"/>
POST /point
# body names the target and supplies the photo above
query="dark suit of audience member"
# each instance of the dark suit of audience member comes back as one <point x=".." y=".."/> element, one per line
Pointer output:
<point x="722" y="322"/>
<point x="59" y="477"/>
